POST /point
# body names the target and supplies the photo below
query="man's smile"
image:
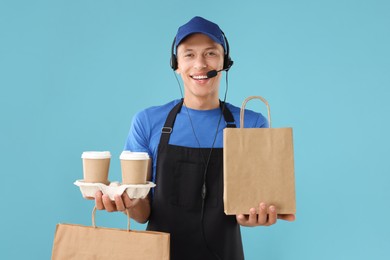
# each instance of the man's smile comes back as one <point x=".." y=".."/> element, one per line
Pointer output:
<point x="199" y="76"/>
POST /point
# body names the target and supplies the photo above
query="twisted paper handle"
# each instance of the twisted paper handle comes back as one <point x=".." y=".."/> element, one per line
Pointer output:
<point x="243" y="109"/>
<point x="94" y="213"/>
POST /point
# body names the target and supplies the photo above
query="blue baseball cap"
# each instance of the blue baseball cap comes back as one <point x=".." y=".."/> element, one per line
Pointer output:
<point x="200" y="25"/>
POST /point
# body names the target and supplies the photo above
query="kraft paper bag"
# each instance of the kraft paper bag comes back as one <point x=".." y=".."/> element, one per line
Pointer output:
<point x="91" y="242"/>
<point x="258" y="167"/>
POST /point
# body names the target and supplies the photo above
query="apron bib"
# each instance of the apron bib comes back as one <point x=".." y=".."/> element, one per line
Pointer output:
<point x="176" y="206"/>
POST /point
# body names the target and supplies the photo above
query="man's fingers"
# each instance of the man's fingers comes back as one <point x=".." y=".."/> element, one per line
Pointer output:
<point x="241" y="219"/>
<point x="98" y="200"/>
<point x="119" y="203"/>
<point x="108" y="204"/>
<point x="126" y="200"/>
<point x="272" y="216"/>
<point x="262" y="218"/>
<point x="252" y="220"/>
<point x="287" y="217"/>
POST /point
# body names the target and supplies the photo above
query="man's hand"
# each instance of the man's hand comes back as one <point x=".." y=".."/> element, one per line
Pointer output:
<point x="139" y="209"/>
<point x="262" y="218"/>
<point x="120" y="203"/>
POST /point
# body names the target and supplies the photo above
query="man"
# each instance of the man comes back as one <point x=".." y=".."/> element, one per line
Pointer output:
<point x="184" y="139"/>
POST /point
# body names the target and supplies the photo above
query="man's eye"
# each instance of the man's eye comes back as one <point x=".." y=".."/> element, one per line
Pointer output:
<point x="188" y="55"/>
<point x="211" y="53"/>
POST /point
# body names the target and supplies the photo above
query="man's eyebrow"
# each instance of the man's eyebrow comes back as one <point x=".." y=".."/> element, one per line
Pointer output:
<point x="208" y="48"/>
<point x="212" y="48"/>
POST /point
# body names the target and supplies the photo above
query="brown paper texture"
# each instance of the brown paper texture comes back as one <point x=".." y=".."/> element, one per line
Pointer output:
<point x="83" y="242"/>
<point x="258" y="167"/>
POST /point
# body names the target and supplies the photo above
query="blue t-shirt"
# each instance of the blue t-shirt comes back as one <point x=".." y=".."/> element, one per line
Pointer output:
<point x="192" y="128"/>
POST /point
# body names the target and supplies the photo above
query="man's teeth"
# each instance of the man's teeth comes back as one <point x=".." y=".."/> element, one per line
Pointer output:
<point x="199" y="77"/>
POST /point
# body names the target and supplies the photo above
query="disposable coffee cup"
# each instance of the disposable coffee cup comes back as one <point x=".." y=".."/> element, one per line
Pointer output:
<point x="96" y="166"/>
<point x="135" y="167"/>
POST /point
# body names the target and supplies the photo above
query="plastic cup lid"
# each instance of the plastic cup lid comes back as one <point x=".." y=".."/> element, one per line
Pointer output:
<point x="127" y="155"/>
<point x="96" y="155"/>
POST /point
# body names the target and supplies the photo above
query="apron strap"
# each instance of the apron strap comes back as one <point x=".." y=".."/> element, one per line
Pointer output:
<point x="168" y="126"/>
<point x="167" y="129"/>
<point x="229" y="119"/>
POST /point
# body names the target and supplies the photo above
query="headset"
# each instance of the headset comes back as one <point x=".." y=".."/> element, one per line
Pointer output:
<point x="227" y="61"/>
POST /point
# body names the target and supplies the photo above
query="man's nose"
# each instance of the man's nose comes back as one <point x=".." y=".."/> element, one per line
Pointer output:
<point x="200" y="63"/>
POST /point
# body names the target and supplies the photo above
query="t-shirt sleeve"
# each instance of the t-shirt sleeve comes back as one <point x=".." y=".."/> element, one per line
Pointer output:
<point x="139" y="134"/>
<point x="255" y="120"/>
<point x="262" y="122"/>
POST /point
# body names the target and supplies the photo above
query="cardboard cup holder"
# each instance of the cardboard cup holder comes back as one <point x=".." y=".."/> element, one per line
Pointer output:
<point x="135" y="191"/>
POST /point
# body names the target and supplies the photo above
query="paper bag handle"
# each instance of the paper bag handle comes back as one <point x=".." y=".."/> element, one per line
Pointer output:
<point x="243" y="109"/>
<point x="94" y="213"/>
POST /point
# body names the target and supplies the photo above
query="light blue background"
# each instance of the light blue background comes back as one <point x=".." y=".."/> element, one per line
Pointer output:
<point x="73" y="73"/>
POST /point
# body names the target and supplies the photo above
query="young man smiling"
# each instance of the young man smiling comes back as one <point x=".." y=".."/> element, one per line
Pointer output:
<point x="184" y="139"/>
<point x="197" y="54"/>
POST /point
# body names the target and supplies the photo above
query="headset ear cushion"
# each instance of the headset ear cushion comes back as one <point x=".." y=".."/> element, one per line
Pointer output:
<point x="227" y="62"/>
<point x="173" y="62"/>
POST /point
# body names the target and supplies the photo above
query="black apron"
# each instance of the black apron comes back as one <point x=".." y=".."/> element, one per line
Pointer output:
<point x="176" y="205"/>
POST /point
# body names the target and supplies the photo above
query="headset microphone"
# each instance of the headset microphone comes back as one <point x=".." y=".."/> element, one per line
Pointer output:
<point x="213" y="73"/>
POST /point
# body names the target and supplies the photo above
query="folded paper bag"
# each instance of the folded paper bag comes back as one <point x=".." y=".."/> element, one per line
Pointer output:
<point x="91" y="242"/>
<point x="258" y="167"/>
